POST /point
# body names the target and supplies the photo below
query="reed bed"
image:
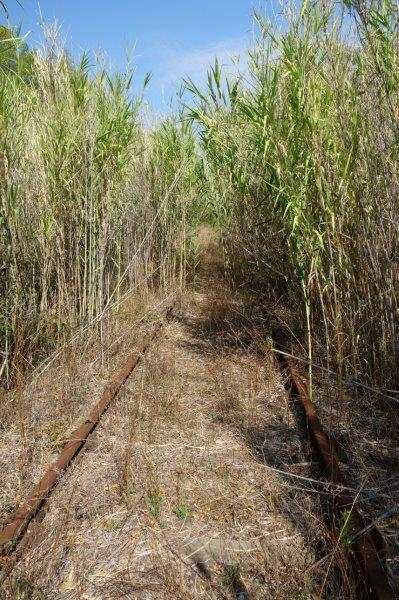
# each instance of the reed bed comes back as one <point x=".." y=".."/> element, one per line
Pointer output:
<point x="91" y="203"/>
<point x="293" y="163"/>
<point x="302" y="157"/>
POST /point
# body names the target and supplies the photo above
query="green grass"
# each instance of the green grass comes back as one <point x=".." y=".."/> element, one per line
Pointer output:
<point x="182" y="512"/>
<point x="301" y="153"/>
<point x="231" y="574"/>
<point x="295" y="160"/>
<point x="155" y="501"/>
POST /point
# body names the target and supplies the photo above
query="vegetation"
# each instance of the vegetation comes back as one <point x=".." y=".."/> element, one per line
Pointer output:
<point x="90" y="203"/>
<point x="274" y="193"/>
<point x="302" y="155"/>
<point x="295" y="161"/>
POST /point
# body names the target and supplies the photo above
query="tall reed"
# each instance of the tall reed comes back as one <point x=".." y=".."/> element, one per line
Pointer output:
<point x="90" y="202"/>
<point x="302" y="151"/>
<point x="296" y="160"/>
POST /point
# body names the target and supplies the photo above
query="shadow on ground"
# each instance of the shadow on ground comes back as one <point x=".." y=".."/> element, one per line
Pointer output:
<point x="233" y="326"/>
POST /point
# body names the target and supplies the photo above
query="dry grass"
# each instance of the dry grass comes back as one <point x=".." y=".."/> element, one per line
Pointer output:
<point x="167" y="495"/>
<point x="366" y="435"/>
<point x="195" y="484"/>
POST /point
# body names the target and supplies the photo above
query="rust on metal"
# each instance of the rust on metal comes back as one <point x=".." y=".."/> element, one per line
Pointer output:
<point x="15" y="529"/>
<point x="365" y="549"/>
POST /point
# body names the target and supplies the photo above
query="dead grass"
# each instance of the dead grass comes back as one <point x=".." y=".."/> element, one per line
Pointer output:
<point x="194" y="485"/>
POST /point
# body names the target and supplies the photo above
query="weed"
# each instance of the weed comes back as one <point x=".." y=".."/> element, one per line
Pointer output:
<point x="155" y="504"/>
<point x="114" y="525"/>
<point x="55" y="432"/>
<point x="7" y="505"/>
<point x="25" y="590"/>
<point x="345" y="527"/>
<point x="231" y="574"/>
<point x="182" y="512"/>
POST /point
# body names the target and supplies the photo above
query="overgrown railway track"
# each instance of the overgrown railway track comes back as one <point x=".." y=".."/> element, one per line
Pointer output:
<point x="365" y="555"/>
<point x="14" y="531"/>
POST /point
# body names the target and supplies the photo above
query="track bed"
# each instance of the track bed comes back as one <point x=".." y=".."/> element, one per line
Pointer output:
<point x="197" y="483"/>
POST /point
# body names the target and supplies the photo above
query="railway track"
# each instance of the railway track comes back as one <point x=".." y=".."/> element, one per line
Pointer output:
<point x="365" y="555"/>
<point x="14" y="531"/>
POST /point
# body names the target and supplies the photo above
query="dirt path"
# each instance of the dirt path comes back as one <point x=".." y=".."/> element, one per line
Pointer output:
<point x="178" y="494"/>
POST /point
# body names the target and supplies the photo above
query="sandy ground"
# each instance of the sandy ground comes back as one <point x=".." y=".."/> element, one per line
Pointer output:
<point x="194" y="485"/>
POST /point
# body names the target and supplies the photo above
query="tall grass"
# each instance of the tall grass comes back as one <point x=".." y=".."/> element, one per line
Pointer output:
<point x="90" y="203"/>
<point x="302" y="153"/>
<point x="296" y="160"/>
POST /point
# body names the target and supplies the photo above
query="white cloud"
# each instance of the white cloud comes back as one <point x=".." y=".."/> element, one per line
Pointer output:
<point x="178" y="63"/>
<point x="172" y="63"/>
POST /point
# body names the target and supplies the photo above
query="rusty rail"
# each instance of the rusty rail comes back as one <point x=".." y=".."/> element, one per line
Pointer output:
<point x="365" y="550"/>
<point x="14" y="530"/>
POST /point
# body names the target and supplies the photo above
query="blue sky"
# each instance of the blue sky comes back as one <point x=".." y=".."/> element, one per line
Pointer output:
<point x="170" y="39"/>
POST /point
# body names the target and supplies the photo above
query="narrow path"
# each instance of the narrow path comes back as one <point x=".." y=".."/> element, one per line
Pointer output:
<point x="180" y="492"/>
